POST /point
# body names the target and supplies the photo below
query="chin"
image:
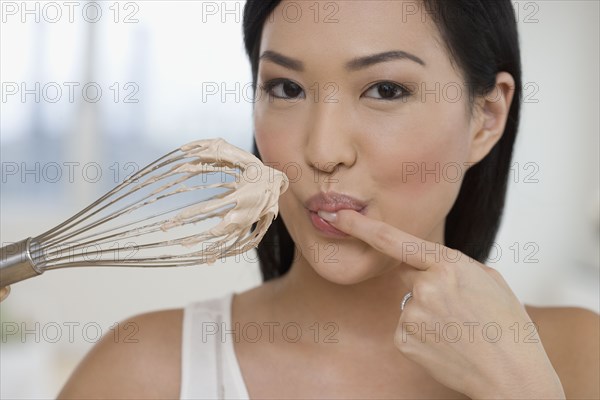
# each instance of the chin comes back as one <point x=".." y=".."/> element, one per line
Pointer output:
<point x="341" y="277"/>
<point x="344" y="262"/>
<point x="346" y="270"/>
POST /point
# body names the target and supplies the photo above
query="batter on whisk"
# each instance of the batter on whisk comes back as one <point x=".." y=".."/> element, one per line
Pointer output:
<point x="139" y="216"/>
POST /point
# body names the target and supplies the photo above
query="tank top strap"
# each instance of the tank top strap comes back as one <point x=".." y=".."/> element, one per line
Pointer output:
<point x="209" y="365"/>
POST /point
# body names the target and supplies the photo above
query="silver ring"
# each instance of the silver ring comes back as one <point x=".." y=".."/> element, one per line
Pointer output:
<point x="405" y="299"/>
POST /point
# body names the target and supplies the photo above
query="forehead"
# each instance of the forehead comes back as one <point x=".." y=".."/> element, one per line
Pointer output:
<point x="340" y="30"/>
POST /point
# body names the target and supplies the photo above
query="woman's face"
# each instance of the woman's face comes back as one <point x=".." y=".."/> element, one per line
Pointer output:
<point x="324" y="101"/>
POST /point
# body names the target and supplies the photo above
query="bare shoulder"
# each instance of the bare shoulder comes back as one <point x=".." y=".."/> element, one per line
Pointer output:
<point x="142" y="360"/>
<point x="571" y="338"/>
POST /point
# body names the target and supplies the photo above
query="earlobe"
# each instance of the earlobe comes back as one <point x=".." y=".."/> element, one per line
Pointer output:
<point x="492" y="117"/>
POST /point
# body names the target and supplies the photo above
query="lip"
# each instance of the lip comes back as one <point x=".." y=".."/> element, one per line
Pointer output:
<point x="331" y="202"/>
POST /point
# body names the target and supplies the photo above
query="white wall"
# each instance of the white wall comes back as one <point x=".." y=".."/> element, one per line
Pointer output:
<point x="556" y="219"/>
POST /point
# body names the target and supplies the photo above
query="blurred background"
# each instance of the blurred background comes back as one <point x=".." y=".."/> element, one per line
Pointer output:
<point x="93" y="91"/>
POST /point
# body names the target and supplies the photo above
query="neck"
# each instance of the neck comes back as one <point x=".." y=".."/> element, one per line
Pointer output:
<point x="365" y="311"/>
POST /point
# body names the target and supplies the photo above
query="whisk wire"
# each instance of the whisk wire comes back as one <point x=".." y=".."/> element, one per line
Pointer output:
<point x="116" y="230"/>
<point x="69" y="223"/>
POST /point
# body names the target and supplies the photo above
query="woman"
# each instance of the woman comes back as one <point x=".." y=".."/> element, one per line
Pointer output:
<point x="395" y="123"/>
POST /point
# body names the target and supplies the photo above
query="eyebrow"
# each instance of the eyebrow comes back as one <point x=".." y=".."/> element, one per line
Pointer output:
<point x="367" y="61"/>
<point x="352" y="65"/>
<point x="284" y="61"/>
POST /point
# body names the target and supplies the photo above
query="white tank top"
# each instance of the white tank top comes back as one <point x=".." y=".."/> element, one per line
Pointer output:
<point x="210" y="369"/>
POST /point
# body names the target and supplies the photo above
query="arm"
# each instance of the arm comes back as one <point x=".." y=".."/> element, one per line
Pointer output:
<point x="143" y="361"/>
<point x="453" y="288"/>
<point x="572" y="337"/>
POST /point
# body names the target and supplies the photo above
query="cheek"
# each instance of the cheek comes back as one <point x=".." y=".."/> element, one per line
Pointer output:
<point x="275" y="136"/>
<point x="421" y="167"/>
<point x="430" y="146"/>
<point x="424" y="166"/>
<point x="263" y="135"/>
<point x="272" y="135"/>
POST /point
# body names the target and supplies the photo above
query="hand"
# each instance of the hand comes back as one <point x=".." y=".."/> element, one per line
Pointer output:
<point x="480" y="341"/>
<point x="4" y="291"/>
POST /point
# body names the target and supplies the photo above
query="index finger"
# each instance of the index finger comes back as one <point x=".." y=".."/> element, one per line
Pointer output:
<point x="419" y="253"/>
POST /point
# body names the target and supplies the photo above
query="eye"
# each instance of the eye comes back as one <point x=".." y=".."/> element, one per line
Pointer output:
<point x="387" y="91"/>
<point x="283" y="89"/>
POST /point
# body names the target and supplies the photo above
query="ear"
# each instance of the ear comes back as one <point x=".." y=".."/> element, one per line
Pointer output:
<point x="490" y="120"/>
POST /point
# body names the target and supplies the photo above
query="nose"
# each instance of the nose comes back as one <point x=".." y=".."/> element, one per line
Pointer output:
<point x="330" y="143"/>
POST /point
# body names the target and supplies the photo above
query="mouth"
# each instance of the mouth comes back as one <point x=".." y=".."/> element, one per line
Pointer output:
<point x="331" y="202"/>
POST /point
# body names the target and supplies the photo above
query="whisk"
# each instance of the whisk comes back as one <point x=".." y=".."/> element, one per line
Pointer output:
<point x="204" y="201"/>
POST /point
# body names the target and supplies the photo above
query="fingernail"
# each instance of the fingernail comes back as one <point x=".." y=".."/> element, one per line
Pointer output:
<point x="3" y="293"/>
<point x="327" y="216"/>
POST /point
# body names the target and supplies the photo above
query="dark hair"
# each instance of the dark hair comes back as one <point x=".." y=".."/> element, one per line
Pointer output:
<point x="482" y="39"/>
